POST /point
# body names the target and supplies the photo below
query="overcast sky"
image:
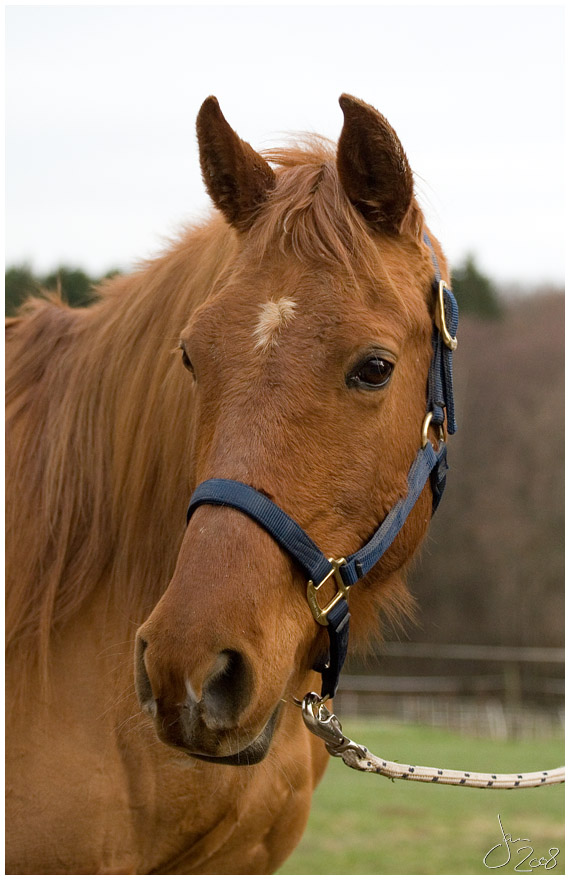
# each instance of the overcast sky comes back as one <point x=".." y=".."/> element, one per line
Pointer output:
<point x="101" y="157"/>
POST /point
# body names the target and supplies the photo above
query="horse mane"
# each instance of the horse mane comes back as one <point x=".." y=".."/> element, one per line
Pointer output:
<point x="96" y="406"/>
<point x="99" y="407"/>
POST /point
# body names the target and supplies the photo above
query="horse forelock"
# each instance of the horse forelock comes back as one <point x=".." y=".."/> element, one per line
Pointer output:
<point x="309" y="214"/>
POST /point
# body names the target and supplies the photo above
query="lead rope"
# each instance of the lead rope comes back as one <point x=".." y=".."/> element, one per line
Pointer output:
<point x="325" y="725"/>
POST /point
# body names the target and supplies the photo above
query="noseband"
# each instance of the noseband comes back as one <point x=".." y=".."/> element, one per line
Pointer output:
<point x="429" y="464"/>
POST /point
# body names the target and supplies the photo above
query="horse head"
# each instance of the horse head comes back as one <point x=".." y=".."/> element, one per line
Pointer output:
<point x="307" y="364"/>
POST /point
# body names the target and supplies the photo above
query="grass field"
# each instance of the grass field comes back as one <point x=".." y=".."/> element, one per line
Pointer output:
<point x="364" y="824"/>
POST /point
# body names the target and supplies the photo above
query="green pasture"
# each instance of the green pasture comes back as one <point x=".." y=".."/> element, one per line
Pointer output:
<point x="367" y="824"/>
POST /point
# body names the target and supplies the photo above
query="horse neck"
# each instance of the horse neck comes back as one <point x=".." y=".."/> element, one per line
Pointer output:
<point x="111" y="461"/>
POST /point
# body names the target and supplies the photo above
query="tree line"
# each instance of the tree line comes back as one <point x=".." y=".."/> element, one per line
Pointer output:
<point x="475" y="291"/>
<point x="76" y="286"/>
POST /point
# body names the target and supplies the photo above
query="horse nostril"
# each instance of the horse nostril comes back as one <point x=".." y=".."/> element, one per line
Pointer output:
<point x="227" y="691"/>
<point x="143" y="686"/>
<point x="220" y="700"/>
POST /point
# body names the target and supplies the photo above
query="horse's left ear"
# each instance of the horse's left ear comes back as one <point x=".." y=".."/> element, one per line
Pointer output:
<point x="373" y="167"/>
<point x="236" y="177"/>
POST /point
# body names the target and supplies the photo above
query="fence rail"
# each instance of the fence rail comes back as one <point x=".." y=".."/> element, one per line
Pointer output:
<point x="439" y="684"/>
<point x="500" y="653"/>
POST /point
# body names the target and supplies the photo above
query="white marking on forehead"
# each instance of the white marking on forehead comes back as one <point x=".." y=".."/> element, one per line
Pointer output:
<point x="272" y="317"/>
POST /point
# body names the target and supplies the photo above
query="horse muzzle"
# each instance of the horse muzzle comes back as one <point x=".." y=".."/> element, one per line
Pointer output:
<point x="204" y="721"/>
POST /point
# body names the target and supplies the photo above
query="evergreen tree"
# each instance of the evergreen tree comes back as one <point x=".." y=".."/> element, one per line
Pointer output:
<point x="76" y="287"/>
<point x="475" y="292"/>
<point x="20" y="283"/>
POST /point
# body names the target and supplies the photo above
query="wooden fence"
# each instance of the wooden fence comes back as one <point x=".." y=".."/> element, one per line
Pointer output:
<point x="497" y="691"/>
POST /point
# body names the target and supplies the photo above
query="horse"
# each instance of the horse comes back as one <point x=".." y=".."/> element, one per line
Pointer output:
<point x="284" y="342"/>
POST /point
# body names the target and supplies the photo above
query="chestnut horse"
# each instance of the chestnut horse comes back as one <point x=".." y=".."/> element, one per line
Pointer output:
<point x="303" y="310"/>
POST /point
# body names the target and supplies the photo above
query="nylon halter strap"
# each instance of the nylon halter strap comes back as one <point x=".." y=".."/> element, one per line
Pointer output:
<point x="429" y="464"/>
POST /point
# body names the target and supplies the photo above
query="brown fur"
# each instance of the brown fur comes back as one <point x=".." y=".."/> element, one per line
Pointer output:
<point x="107" y="436"/>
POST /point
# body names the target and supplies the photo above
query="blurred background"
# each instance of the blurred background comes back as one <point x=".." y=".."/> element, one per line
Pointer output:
<point x="102" y="168"/>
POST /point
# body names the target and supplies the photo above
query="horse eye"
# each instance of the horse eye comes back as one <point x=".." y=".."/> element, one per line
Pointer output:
<point x="186" y="361"/>
<point x="374" y="372"/>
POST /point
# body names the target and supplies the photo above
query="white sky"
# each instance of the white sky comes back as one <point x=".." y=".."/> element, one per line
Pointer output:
<point x="101" y="157"/>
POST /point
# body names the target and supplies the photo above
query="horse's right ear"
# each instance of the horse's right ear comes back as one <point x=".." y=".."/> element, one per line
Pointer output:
<point x="236" y="177"/>
<point x="373" y="167"/>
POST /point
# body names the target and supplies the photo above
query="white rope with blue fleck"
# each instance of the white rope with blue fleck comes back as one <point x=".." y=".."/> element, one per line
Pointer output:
<point x="369" y="763"/>
<point x="324" y="724"/>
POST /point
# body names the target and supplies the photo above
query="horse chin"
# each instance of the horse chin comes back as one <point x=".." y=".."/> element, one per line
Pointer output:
<point x="255" y="752"/>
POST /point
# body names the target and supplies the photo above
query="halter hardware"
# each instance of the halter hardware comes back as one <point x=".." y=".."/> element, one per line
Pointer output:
<point x="321" y="614"/>
<point x="325" y="725"/>
<point x="441" y="324"/>
<point x="425" y="428"/>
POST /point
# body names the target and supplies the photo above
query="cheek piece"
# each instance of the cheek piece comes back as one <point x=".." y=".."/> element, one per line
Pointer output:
<point x="430" y="464"/>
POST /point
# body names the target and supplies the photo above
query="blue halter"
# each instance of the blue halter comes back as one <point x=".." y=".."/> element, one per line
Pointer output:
<point x="429" y="464"/>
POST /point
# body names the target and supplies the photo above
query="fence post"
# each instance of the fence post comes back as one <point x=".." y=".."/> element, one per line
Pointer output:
<point x="513" y="684"/>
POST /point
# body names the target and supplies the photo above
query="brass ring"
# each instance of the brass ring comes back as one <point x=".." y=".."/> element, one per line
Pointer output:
<point x="425" y="429"/>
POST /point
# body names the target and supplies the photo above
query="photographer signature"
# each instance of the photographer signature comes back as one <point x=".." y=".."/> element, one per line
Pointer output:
<point x="528" y="860"/>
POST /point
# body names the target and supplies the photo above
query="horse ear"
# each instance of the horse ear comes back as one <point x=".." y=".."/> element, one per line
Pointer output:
<point x="373" y="167"/>
<point x="236" y="177"/>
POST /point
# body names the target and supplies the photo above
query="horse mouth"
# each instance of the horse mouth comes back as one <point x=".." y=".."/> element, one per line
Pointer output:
<point x="255" y="752"/>
<point x="252" y="754"/>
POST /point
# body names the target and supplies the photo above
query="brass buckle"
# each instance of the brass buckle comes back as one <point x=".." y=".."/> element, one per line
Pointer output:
<point x="320" y="614"/>
<point x="449" y="340"/>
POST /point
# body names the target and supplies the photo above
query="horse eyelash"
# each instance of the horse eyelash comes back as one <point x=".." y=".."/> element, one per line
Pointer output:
<point x="187" y="363"/>
<point x="177" y="349"/>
